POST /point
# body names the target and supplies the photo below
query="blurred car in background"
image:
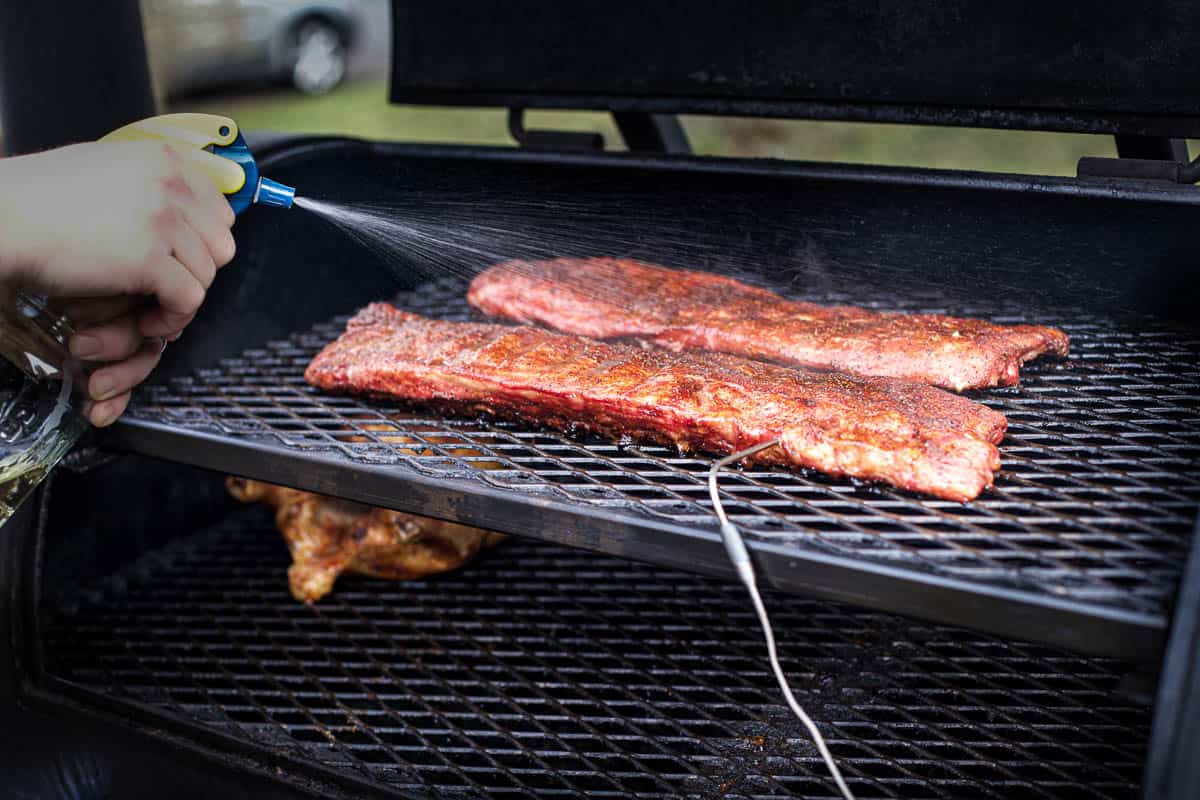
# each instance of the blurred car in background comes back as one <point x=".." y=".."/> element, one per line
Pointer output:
<point x="199" y="44"/>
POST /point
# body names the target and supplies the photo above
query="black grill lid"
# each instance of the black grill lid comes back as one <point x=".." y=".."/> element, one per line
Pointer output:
<point x="1095" y="67"/>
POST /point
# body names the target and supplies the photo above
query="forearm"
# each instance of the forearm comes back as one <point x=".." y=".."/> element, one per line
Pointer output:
<point x="18" y="255"/>
<point x="9" y="190"/>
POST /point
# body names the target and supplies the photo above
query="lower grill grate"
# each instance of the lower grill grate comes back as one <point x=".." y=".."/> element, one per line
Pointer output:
<point x="1094" y="506"/>
<point x="540" y="671"/>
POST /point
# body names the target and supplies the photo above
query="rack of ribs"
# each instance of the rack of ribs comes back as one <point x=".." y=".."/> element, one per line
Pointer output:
<point x="679" y="310"/>
<point x="911" y="435"/>
<point x="328" y="537"/>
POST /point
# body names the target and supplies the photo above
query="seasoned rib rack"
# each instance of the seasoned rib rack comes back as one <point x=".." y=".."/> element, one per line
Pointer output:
<point x="907" y="434"/>
<point x="687" y="310"/>
<point x="1080" y="542"/>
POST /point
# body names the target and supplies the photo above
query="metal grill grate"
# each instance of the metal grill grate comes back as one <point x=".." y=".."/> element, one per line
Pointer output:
<point x="1095" y="504"/>
<point x="549" y="672"/>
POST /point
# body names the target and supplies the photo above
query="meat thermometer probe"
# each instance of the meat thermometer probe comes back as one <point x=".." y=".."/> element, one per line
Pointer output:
<point x="39" y="418"/>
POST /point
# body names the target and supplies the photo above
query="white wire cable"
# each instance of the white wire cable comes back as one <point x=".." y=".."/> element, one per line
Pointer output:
<point x="740" y="556"/>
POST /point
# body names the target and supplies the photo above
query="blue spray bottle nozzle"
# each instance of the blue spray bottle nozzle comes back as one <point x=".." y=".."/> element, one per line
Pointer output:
<point x="273" y="193"/>
<point x="257" y="189"/>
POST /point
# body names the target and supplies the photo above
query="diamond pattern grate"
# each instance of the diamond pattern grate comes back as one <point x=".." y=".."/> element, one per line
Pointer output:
<point x="1096" y="501"/>
<point x="541" y="671"/>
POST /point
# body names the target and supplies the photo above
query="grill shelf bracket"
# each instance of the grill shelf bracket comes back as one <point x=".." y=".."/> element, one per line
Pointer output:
<point x="1080" y="543"/>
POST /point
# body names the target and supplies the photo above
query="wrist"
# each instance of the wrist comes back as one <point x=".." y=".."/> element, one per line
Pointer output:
<point x="16" y="251"/>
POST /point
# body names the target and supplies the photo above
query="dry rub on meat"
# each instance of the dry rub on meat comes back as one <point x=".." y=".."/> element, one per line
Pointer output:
<point x="908" y="434"/>
<point x="328" y="537"/>
<point x="681" y="310"/>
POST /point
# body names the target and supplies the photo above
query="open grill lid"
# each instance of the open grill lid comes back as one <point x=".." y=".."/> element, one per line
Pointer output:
<point x="1099" y="68"/>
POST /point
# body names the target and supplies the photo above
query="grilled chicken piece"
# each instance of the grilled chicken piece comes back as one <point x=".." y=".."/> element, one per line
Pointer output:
<point x="328" y="536"/>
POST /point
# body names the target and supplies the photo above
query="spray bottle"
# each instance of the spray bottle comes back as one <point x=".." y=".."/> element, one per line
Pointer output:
<point x="40" y="384"/>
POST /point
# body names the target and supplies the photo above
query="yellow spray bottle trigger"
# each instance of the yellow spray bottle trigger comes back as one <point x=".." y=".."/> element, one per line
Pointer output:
<point x="216" y="146"/>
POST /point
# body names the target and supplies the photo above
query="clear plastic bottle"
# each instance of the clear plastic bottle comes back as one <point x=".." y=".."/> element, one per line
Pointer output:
<point x="40" y="399"/>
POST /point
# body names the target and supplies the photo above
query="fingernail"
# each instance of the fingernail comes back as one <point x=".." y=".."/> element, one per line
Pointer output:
<point x="84" y="346"/>
<point x="175" y="336"/>
<point x="106" y="418"/>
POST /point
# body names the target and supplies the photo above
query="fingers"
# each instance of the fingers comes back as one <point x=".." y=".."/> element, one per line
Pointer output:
<point x="179" y="296"/>
<point x="205" y="210"/>
<point x="159" y="323"/>
<point x="189" y="249"/>
<point x="114" y="380"/>
<point x="199" y="240"/>
<point x="105" y="413"/>
<point x="115" y="340"/>
<point x="108" y="388"/>
<point x="91" y="311"/>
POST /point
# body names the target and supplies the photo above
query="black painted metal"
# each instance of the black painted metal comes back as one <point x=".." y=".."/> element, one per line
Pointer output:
<point x="1190" y="172"/>
<point x="1079" y="543"/>
<point x="1097" y="69"/>
<point x="55" y="753"/>
<point x="549" y="139"/>
<point x="545" y="672"/>
<point x="70" y="71"/>
<point x="972" y="243"/>
<point x="15" y="539"/>
<point x="1139" y="169"/>
<point x="1173" y="766"/>
<point x="652" y="133"/>
<point x="1152" y="148"/>
<point x="1125" y="168"/>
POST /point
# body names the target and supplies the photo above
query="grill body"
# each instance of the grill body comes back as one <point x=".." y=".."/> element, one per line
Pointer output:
<point x="1067" y="533"/>
<point x="548" y="671"/>
<point x="542" y="671"/>
<point x="934" y="63"/>
<point x="1081" y="542"/>
<point x="146" y="639"/>
<point x="165" y="613"/>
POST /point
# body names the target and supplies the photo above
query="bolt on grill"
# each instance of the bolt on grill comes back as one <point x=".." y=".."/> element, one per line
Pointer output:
<point x="1094" y="506"/>
<point x="541" y="671"/>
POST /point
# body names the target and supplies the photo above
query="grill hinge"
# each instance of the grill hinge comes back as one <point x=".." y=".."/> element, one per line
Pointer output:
<point x="550" y="140"/>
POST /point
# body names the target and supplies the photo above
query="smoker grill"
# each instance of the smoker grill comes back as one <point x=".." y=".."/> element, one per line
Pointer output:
<point x="1039" y="641"/>
<point x="1069" y="547"/>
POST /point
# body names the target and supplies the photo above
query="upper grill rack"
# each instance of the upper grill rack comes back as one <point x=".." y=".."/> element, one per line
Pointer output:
<point x="1090" y="517"/>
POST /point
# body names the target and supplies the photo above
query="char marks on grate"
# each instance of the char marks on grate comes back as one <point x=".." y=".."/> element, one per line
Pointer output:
<point x="1095" y="503"/>
<point x="540" y="671"/>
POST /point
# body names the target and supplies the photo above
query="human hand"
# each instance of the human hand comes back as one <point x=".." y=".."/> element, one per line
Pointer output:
<point x="126" y="238"/>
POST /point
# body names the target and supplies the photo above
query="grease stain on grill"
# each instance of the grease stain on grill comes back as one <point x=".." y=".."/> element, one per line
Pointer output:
<point x="1100" y="471"/>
